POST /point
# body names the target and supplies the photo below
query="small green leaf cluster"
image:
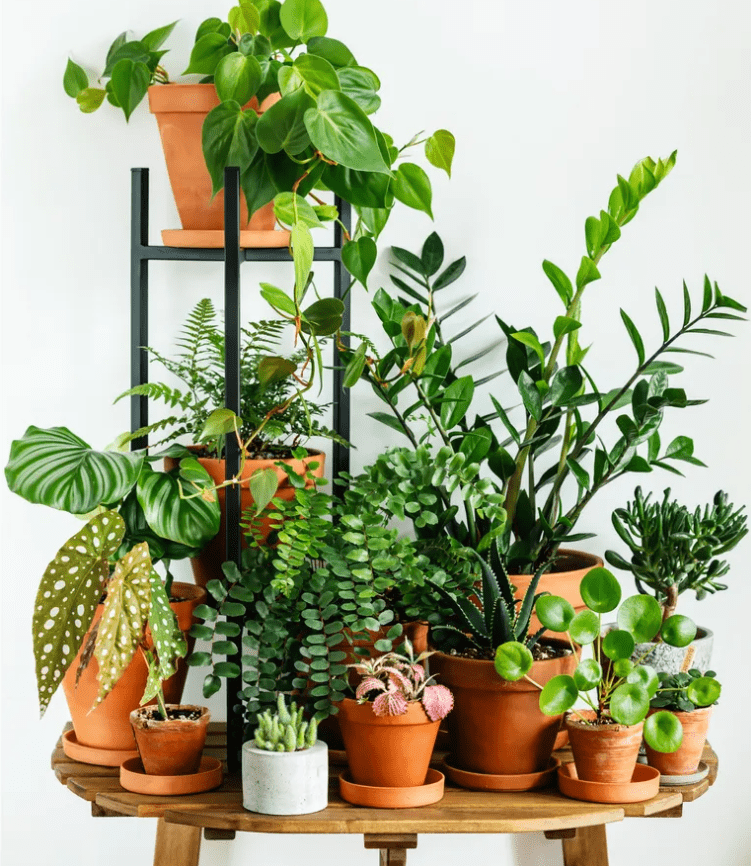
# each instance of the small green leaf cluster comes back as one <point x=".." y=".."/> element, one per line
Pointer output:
<point x="687" y="691"/>
<point x="674" y="549"/>
<point x="285" y="731"/>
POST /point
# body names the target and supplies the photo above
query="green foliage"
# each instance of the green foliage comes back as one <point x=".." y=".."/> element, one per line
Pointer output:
<point x="285" y="731"/>
<point x="673" y="549"/>
<point x="687" y="691"/>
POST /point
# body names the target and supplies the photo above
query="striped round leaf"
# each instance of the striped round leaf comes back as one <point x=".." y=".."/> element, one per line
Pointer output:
<point x="169" y="641"/>
<point x="68" y="595"/>
<point x="54" y="467"/>
<point x="124" y="618"/>
<point x="192" y="521"/>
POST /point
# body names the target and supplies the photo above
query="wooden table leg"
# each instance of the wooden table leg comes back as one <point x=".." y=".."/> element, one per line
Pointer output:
<point x="588" y="847"/>
<point x="392" y="848"/>
<point x="176" y="844"/>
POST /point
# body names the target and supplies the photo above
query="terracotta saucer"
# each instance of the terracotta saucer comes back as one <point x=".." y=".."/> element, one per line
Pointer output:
<point x="214" y="239"/>
<point x="490" y="782"/>
<point x="133" y="778"/>
<point x="393" y="798"/>
<point x="689" y="779"/>
<point x="91" y="755"/>
<point x="644" y="784"/>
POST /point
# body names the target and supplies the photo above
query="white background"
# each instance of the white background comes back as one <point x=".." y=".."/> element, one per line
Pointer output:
<point x="548" y="101"/>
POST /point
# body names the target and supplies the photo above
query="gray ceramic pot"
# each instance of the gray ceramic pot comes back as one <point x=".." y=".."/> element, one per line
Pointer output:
<point x="285" y="783"/>
<point x="669" y="659"/>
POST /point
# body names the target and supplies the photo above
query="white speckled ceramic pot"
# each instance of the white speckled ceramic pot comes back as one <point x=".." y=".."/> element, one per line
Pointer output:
<point x="285" y="783"/>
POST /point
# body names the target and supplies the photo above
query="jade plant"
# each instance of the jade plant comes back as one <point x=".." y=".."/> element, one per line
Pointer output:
<point x="285" y="731"/>
<point x="137" y="517"/>
<point x="673" y="549"/>
<point x="391" y="682"/>
<point x="615" y="687"/>
<point x="546" y="444"/>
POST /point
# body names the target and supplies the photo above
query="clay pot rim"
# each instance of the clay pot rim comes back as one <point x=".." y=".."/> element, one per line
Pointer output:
<point x="571" y="721"/>
<point x="683" y="714"/>
<point x="177" y="97"/>
<point x="142" y="724"/>
<point x="363" y="714"/>
<point x="583" y="562"/>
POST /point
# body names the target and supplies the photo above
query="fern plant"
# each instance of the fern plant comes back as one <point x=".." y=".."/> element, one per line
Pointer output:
<point x="266" y="384"/>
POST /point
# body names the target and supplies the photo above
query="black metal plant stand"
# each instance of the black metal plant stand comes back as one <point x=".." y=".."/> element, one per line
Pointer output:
<point x="141" y="253"/>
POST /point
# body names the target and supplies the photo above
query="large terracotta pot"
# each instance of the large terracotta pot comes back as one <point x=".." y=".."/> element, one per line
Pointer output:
<point x="685" y="760"/>
<point x="172" y="746"/>
<point x="208" y="564"/>
<point x="108" y="726"/>
<point x="387" y="751"/>
<point x="603" y="753"/>
<point x="180" y="110"/>
<point x="497" y="727"/>
<point x="570" y="568"/>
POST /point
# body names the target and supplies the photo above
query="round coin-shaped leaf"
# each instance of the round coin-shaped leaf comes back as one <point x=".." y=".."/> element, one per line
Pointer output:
<point x="703" y="691"/>
<point x="623" y="667"/>
<point x="678" y="630"/>
<point x="584" y="627"/>
<point x="629" y="704"/>
<point x="618" y="644"/>
<point x="559" y="695"/>
<point x="645" y="676"/>
<point x="663" y="732"/>
<point x="641" y="615"/>
<point x="600" y="590"/>
<point x="554" y="612"/>
<point x="587" y="675"/>
<point x="513" y="660"/>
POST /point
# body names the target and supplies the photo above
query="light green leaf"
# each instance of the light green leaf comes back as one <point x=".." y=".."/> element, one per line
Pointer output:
<point x="290" y="208"/>
<point x="512" y="661"/>
<point x="558" y="695"/>
<point x="587" y="675"/>
<point x="587" y="273"/>
<point x="530" y="395"/>
<point x="237" y="78"/>
<point x="561" y="283"/>
<point x="303" y="250"/>
<point x="303" y="19"/>
<point x="359" y="257"/>
<point x="564" y="325"/>
<point x="355" y="367"/>
<point x="600" y="590"/>
<point x="663" y="732"/>
<point x="244" y="18"/>
<point x="629" y="704"/>
<point x="641" y="615"/>
<point x="361" y="85"/>
<point x="278" y="299"/>
<point x="156" y="38"/>
<point x="90" y="99"/>
<point x="678" y="630"/>
<point x="618" y="644"/>
<point x="219" y="423"/>
<point x="439" y="150"/>
<point x="554" y="613"/>
<point x="585" y="627"/>
<point x="75" y="79"/>
<point x="263" y="487"/>
<point x="530" y="340"/>
<point x="411" y="186"/>
<point x="703" y="691"/>
<point x="314" y="74"/>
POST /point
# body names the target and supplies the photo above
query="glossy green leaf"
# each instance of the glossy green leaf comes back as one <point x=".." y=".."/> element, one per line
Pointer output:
<point x="361" y="85"/>
<point x="587" y="273"/>
<point x="558" y="695"/>
<point x="303" y="19"/>
<point x="600" y="590"/>
<point x="530" y="395"/>
<point x="263" y="486"/>
<point x="228" y="138"/>
<point x="323" y="317"/>
<point x="212" y="25"/>
<point x="703" y="691"/>
<point x="290" y="208"/>
<point x="244" y="18"/>
<point x="257" y="184"/>
<point x="456" y="401"/>
<point x="278" y="299"/>
<point x="333" y="50"/>
<point x="220" y="422"/>
<point x="90" y="99"/>
<point x="303" y="251"/>
<point x="315" y="74"/>
<point x="678" y="630"/>
<point x="450" y="274"/>
<point x="554" y="612"/>
<point x="355" y="367"/>
<point x="340" y="129"/>
<point x="55" y="468"/>
<point x="566" y="384"/>
<point x="359" y="257"/>
<point x="641" y="615"/>
<point x="130" y="81"/>
<point x="635" y="337"/>
<point x="237" y="77"/>
<point x="585" y="627"/>
<point x="646" y="677"/>
<point x="75" y="79"/>
<point x="364" y="189"/>
<point x="564" y="325"/>
<point x="282" y="125"/>
<point x="623" y="667"/>
<point x="431" y="255"/>
<point x="67" y="598"/>
<point x="411" y="186"/>
<point x="587" y="675"/>
<point x="439" y="150"/>
<point x="561" y="283"/>
<point x="663" y="732"/>
<point x="154" y="39"/>
<point x="531" y="340"/>
<point x="629" y="704"/>
<point x="618" y="644"/>
<point x="207" y="52"/>
<point x="512" y="661"/>
<point x="579" y="472"/>
<point x="274" y="369"/>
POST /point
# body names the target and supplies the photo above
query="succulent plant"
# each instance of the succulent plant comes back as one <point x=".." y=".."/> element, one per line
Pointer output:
<point x="285" y="731"/>
<point x="393" y="681"/>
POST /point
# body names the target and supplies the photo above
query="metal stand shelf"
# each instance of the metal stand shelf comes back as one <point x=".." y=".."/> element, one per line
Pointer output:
<point x="232" y="256"/>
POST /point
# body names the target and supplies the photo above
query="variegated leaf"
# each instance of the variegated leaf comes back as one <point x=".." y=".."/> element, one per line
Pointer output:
<point x="169" y="641"/>
<point x="67" y="598"/>
<point x="124" y="618"/>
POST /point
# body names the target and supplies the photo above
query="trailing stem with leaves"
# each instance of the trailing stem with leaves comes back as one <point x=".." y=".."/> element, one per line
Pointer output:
<point x="673" y="549"/>
<point x="554" y="440"/>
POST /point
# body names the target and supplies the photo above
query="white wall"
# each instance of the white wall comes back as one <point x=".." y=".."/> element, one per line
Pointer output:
<point x="548" y="102"/>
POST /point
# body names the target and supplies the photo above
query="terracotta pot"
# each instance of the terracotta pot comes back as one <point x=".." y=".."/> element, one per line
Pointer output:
<point x="685" y="760"/>
<point x="180" y="110"/>
<point x="497" y="727"/>
<point x="208" y="564"/>
<point x="108" y="726"/>
<point x="603" y="753"/>
<point x="564" y="581"/>
<point x="387" y="751"/>
<point x="170" y="747"/>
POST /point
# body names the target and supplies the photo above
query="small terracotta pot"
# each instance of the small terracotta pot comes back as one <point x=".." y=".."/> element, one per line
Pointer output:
<point x="108" y="726"/>
<point x="497" y="727"/>
<point x="208" y="564"/>
<point x="570" y="568"/>
<point x="686" y="759"/>
<point x="180" y="110"/>
<point x="603" y="753"/>
<point x="387" y="751"/>
<point x="172" y="747"/>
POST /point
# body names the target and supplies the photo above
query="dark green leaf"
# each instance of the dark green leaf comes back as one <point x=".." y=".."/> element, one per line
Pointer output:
<point x="130" y="81"/>
<point x="635" y="337"/>
<point x="207" y="52"/>
<point x="530" y="395"/>
<point x="282" y="126"/>
<point x="323" y="317"/>
<point x="450" y="274"/>
<point x="228" y="138"/>
<point x="359" y="257"/>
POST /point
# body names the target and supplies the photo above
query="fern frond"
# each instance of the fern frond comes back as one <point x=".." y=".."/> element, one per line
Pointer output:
<point x="158" y="391"/>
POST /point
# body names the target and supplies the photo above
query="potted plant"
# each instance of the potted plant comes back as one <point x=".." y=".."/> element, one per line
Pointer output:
<point x="285" y="768"/>
<point x="390" y="729"/>
<point x="674" y="550"/>
<point x="315" y="132"/>
<point x="139" y="518"/>
<point x="689" y="696"/>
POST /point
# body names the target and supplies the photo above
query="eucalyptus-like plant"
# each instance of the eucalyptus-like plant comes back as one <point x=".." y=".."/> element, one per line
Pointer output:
<point x="615" y="687"/>
<point x="674" y="550"/>
<point x="552" y="428"/>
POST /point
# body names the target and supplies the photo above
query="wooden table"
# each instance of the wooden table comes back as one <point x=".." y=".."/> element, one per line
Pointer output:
<point x="220" y="814"/>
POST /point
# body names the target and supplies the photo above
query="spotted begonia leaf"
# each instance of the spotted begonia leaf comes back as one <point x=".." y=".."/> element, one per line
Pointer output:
<point x="169" y="641"/>
<point x="124" y="618"/>
<point x="67" y="598"/>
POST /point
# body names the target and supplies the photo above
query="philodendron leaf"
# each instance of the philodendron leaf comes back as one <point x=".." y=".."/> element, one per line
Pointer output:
<point x="124" y="618"/>
<point x="75" y="79"/>
<point x="312" y="73"/>
<point x="90" y="99"/>
<point x="323" y="318"/>
<point x="663" y="732"/>
<point x="67" y="598"/>
<point x="290" y="208"/>
<point x="220" y="422"/>
<point x="361" y="85"/>
<point x="237" y="77"/>
<point x="359" y="257"/>
<point x="54" y="467"/>
<point x="228" y="138"/>
<point x="130" y="81"/>
<point x="263" y="486"/>
<point x="333" y="50"/>
<point x="303" y="19"/>
<point x="156" y="38"/>
<point x="273" y="368"/>
<point x="189" y="519"/>
<point x="303" y="251"/>
<point x="207" y="52"/>
<point x="439" y="150"/>
<point x="340" y="129"/>
<point x="169" y="641"/>
<point x="411" y="186"/>
<point x="282" y="126"/>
